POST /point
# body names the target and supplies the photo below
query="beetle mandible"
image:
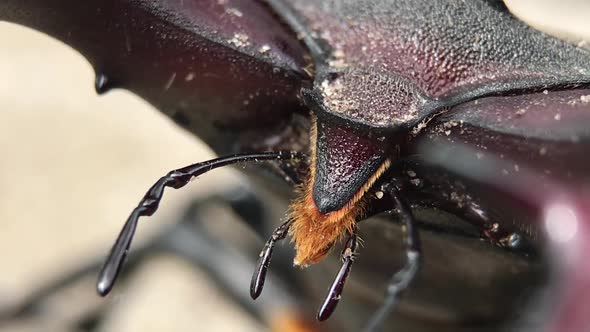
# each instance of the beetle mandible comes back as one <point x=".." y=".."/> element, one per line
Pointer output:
<point x="376" y="77"/>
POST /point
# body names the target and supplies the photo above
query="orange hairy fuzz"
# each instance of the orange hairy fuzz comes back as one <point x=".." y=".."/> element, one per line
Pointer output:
<point x="315" y="233"/>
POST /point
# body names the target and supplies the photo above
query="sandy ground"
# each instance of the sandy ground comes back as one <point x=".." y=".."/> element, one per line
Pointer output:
<point x="73" y="165"/>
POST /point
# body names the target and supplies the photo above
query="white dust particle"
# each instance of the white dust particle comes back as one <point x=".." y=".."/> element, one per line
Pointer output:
<point x="264" y="49"/>
<point x="338" y="54"/>
<point x="338" y="59"/>
<point x="170" y="81"/>
<point x="419" y="127"/>
<point x="543" y="151"/>
<point x="239" y="40"/>
<point x="234" y="11"/>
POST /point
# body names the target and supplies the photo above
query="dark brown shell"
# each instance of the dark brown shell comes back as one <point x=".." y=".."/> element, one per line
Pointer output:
<point x="392" y="63"/>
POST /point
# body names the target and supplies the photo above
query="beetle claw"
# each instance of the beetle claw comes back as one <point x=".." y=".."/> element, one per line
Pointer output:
<point x="259" y="275"/>
<point x="335" y="292"/>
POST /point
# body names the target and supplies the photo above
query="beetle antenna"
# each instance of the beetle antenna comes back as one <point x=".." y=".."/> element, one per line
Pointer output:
<point x="335" y="292"/>
<point x="149" y="204"/>
<point x="401" y="279"/>
<point x="259" y="275"/>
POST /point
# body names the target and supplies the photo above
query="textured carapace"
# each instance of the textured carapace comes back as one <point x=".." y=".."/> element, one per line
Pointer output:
<point x="387" y="66"/>
<point x="390" y="63"/>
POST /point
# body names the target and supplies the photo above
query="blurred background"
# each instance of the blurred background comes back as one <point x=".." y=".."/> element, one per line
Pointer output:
<point x="74" y="164"/>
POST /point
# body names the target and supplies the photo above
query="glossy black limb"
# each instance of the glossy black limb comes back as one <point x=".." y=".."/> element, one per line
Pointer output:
<point x="259" y="275"/>
<point x="335" y="292"/>
<point x="149" y="204"/>
<point x="401" y="279"/>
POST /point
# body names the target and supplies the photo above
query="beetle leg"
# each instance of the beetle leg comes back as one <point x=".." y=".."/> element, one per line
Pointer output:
<point x="149" y="204"/>
<point x="335" y="292"/>
<point x="259" y="275"/>
<point x="401" y="279"/>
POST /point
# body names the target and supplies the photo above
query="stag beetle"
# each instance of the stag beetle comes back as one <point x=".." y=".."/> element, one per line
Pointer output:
<point x="377" y="92"/>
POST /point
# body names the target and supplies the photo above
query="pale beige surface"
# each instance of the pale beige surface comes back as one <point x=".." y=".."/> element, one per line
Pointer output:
<point x="568" y="19"/>
<point x="72" y="167"/>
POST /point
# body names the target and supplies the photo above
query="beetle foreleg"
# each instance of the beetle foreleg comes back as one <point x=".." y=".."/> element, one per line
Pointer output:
<point x="335" y="292"/>
<point x="259" y="275"/>
<point x="149" y="204"/>
<point x="401" y="279"/>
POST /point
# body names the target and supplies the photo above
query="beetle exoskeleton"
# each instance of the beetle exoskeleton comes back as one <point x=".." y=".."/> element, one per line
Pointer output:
<point x="383" y="81"/>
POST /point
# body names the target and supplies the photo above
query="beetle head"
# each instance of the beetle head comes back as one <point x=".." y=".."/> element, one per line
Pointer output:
<point x="346" y="161"/>
<point x="345" y="164"/>
<point x="359" y="115"/>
